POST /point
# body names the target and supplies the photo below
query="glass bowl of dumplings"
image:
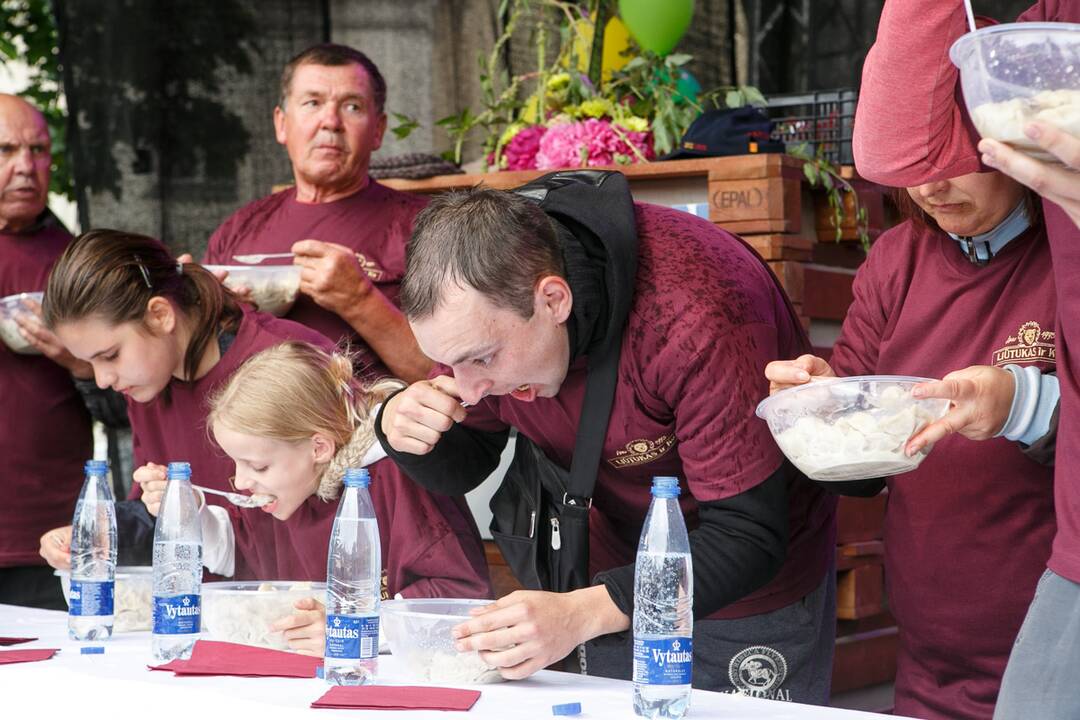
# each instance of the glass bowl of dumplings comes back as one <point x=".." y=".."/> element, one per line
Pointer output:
<point x="418" y="631"/>
<point x="852" y="428"/>
<point x="273" y="288"/>
<point x="12" y="307"/>
<point x="242" y="612"/>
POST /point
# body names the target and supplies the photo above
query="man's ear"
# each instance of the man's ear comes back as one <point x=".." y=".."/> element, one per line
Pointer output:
<point x="554" y="297"/>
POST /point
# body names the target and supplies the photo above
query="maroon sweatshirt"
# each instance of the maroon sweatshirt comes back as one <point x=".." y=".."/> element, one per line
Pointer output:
<point x="968" y="533"/>
<point x="927" y="137"/>
<point x="45" y="438"/>
<point x="706" y="319"/>
<point x="375" y="222"/>
<point x="430" y="544"/>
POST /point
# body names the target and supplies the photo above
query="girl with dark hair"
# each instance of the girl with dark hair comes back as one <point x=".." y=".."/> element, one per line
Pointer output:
<point x="169" y="336"/>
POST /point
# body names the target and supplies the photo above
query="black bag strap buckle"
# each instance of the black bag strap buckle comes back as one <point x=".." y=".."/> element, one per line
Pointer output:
<point x="572" y="501"/>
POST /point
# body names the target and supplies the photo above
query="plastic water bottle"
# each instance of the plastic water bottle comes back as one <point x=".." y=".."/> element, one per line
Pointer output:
<point x="177" y="568"/>
<point x="663" y="608"/>
<point x="353" y="587"/>
<point x="93" y="557"/>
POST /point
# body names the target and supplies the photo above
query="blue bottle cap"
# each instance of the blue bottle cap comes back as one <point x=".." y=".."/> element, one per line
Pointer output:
<point x="566" y="709"/>
<point x="357" y="477"/>
<point x="92" y="650"/>
<point x="96" y="467"/>
<point x="665" y="487"/>
<point x="319" y="672"/>
<point x="179" y="471"/>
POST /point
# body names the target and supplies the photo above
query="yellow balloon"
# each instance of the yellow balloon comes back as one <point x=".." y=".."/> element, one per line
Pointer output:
<point x="616" y="41"/>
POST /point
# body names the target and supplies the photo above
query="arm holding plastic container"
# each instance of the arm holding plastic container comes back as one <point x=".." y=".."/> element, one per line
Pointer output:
<point x="1015" y="402"/>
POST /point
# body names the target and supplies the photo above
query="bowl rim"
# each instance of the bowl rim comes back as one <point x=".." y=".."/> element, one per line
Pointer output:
<point x="908" y="379"/>
<point x="261" y="267"/>
<point x="13" y="297"/>
<point x="247" y="586"/>
<point x="1006" y="28"/>
<point x="397" y="606"/>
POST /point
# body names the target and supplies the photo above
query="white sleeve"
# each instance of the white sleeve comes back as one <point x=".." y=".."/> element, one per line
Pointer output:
<point x="218" y="540"/>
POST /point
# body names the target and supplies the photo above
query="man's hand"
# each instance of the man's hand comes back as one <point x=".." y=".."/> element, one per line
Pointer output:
<point x="331" y="275"/>
<point x="783" y="374"/>
<point x="56" y="548"/>
<point x="528" y="630"/>
<point x="35" y="332"/>
<point x="415" y="419"/>
<point x="981" y="397"/>
<point x="1060" y="185"/>
<point x="152" y="479"/>
<point x="305" y="631"/>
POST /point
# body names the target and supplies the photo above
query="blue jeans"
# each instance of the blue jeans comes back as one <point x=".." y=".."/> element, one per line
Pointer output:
<point x="1042" y="675"/>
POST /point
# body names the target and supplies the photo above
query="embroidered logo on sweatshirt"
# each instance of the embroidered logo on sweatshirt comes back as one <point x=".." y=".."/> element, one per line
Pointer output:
<point x="639" y="452"/>
<point x="1030" y="344"/>
<point x="370" y="267"/>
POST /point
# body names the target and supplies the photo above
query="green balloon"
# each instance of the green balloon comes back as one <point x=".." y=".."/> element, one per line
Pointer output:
<point x="657" y="25"/>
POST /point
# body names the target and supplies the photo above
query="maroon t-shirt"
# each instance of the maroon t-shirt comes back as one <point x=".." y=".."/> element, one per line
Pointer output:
<point x="375" y="222"/>
<point x="706" y="318"/>
<point x="44" y="426"/>
<point x="430" y="544"/>
<point x="973" y="512"/>
<point x="172" y="426"/>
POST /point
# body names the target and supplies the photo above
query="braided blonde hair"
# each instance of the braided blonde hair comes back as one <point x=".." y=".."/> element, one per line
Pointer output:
<point x="293" y="390"/>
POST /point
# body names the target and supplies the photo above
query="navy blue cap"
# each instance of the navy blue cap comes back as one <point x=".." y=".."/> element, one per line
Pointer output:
<point x="96" y="467"/>
<point x="566" y="709"/>
<point x="737" y="131"/>
<point x="92" y="650"/>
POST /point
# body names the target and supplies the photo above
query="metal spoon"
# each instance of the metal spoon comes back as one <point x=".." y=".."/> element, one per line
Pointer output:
<point x="259" y="257"/>
<point x="239" y="499"/>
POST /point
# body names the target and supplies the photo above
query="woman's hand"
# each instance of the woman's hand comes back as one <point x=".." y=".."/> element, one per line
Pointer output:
<point x="56" y="548"/>
<point x="152" y="479"/>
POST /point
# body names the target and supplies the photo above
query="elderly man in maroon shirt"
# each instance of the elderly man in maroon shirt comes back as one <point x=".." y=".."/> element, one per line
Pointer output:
<point x="346" y="231"/>
<point x="39" y="477"/>
<point x="516" y="301"/>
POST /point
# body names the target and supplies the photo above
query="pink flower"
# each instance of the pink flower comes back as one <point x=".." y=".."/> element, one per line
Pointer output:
<point x="590" y="143"/>
<point x="520" y="152"/>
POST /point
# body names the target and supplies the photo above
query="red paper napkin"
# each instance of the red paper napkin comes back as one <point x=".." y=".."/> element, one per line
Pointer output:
<point x="15" y="641"/>
<point x="210" y="657"/>
<point x="394" y="697"/>
<point x="8" y="657"/>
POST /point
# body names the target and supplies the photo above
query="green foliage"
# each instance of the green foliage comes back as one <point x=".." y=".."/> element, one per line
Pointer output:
<point x="28" y="35"/>
<point x="405" y="126"/>
<point x="821" y="173"/>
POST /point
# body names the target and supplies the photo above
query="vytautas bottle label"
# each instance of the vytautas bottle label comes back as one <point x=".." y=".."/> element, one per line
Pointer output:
<point x="177" y="614"/>
<point x="91" y="598"/>
<point x="663" y="661"/>
<point x="352" y="637"/>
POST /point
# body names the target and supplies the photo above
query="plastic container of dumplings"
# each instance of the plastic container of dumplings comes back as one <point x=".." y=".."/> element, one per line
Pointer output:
<point x="242" y="612"/>
<point x="418" y="631"/>
<point x="1018" y="72"/>
<point x="851" y="428"/>
<point x="273" y="287"/>
<point x="10" y="308"/>
<point x="133" y="600"/>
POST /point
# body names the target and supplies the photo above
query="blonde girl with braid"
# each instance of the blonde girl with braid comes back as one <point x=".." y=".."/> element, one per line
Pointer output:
<point x="293" y="419"/>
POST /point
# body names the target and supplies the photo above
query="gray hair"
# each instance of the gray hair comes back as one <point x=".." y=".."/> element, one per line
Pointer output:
<point x="496" y="242"/>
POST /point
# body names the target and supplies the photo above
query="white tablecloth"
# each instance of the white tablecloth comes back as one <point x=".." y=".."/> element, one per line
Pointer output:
<point x="118" y="685"/>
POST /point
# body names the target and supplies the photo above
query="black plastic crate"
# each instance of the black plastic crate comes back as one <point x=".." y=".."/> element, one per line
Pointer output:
<point x="822" y="118"/>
